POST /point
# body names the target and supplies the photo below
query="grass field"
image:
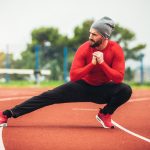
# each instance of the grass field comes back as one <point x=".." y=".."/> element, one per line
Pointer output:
<point x="31" y="84"/>
<point x="54" y="83"/>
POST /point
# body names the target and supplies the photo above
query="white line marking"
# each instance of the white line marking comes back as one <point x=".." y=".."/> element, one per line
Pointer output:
<point x="1" y="139"/>
<point x="1" y="128"/>
<point x="139" y="99"/>
<point x="85" y="109"/>
<point x="116" y="124"/>
<point x="130" y="132"/>
<point x="14" y="98"/>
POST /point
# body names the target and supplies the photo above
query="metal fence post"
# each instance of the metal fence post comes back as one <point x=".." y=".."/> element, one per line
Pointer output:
<point x="37" y="69"/>
<point x="142" y="68"/>
<point x="65" y="64"/>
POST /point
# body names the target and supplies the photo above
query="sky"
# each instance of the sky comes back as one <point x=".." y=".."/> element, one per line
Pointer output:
<point x="19" y="17"/>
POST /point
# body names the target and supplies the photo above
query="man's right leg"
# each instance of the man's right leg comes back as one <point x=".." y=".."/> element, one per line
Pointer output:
<point x="69" y="92"/>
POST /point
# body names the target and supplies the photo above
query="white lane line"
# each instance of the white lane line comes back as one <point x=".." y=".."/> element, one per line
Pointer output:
<point x="1" y="128"/>
<point x="116" y="124"/>
<point x="130" y="132"/>
<point x="84" y="109"/>
<point x="139" y="99"/>
<point x="14" y="98"/>
<point x="1" y="139"/>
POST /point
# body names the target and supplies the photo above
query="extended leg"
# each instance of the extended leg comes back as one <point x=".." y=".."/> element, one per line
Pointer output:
<point x="69" y="92"/>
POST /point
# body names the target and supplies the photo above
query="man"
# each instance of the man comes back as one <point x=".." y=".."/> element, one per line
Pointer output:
<point x="96" y="76"/>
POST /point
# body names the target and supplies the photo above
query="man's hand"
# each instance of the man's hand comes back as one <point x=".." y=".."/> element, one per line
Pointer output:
<point x="94" y="61"/>
<point x="99" y="56"/>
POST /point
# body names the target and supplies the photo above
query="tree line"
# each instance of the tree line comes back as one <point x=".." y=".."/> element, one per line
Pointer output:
<point x="51" y="56"/>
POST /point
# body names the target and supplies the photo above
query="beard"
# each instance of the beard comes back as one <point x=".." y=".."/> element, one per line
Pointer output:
<point x="94" y="44"/>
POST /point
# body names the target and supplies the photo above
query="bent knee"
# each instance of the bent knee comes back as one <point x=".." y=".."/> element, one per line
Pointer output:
<point x="127" y="90"/>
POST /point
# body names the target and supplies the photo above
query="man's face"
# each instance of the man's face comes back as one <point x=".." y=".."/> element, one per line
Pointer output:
<point x="95" y="38"/>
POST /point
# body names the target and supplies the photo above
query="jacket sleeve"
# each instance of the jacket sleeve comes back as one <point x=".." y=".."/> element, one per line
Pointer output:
<point x="115" y="72"/>
<point x="79" y="67"/>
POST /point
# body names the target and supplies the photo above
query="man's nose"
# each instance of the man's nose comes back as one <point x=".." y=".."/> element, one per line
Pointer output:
<point x="90" y="36"/>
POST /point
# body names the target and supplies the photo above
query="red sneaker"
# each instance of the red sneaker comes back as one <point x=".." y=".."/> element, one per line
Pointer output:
<point x="3" y="120"/>
<point x="105" y="120"/>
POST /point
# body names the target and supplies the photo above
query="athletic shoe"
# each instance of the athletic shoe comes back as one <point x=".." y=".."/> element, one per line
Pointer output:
<point x="105" y="120"/>
<point x="3" y="120"/>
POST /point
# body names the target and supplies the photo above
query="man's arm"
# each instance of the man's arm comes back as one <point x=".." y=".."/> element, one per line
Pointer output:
<point x="116" y="71"/>
<point x="79" y="67"/>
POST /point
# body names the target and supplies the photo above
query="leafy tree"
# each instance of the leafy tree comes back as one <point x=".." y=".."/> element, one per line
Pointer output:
<point x="6" y="60"/>
<point x="81" y="34"/>
<point x="2" y="60"/>
<point x="51" y="57"/>
<point x="44" y="34"/>
<point x="121" y="35"/>
<point x="27" y="61"/>
<point x="129" y="74"/>
<point x="124" y="37"/>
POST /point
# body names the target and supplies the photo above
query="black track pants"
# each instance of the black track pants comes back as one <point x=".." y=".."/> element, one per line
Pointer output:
<point x="111" y="94"/>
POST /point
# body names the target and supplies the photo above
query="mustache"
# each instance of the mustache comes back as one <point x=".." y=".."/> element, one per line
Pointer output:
<point x="91" y="40"/>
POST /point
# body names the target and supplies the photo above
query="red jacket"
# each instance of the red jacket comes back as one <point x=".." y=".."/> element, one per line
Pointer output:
<point x="112" y="69"/>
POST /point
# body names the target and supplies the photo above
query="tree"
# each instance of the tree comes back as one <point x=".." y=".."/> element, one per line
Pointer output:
<point x="81" y="34"/>
<point x="120" y="34"/>
<point x="129" y="74"/>
<point x="52" y="57"/>
<point x="124" y="37"/>
<point x="2" y="60"/>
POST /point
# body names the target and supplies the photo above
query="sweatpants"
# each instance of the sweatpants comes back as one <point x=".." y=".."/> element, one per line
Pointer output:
<point x="111" y="94"/>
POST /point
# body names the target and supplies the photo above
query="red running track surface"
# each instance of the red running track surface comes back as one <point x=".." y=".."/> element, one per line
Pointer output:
<point x="61" y="127"/>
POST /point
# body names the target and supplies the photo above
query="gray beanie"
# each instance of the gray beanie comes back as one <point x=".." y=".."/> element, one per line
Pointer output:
<point x="104" y="26"/>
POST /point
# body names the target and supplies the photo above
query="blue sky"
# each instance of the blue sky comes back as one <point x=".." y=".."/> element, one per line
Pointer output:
<point x="19" y="17"/>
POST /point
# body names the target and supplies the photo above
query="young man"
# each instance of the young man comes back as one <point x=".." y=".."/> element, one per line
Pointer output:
<point x="96" y="76"/>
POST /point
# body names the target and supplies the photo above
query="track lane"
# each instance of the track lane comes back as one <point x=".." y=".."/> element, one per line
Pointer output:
<point x="60" y="128"/>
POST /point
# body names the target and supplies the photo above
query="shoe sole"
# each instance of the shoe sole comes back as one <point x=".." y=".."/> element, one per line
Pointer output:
<point x="3" y="125"/>
<point x="102" y="123"/>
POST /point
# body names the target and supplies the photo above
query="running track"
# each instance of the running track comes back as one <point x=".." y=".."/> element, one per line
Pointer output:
<point x="72" y="126"/>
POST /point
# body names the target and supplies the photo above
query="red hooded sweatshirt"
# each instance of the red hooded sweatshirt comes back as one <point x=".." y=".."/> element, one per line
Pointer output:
<point x="112" y="69"/>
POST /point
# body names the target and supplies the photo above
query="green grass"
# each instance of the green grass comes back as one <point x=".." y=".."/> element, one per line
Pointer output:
<point x="54" y="83"/>
<point x="31" y="84"/>
<point x="135" y="85"/>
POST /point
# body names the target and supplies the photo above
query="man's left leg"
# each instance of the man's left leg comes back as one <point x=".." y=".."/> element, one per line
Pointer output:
<point x="117" y="94"/>
<point x="120" y="93"/>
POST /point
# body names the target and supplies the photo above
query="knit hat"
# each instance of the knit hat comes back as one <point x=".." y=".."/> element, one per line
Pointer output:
<point x="104" y="26"/>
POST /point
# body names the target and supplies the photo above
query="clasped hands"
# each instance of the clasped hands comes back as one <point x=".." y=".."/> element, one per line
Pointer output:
<point x="97" y="57"/>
